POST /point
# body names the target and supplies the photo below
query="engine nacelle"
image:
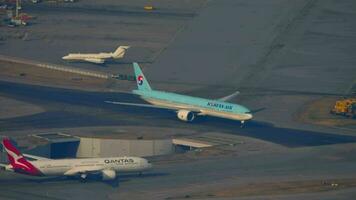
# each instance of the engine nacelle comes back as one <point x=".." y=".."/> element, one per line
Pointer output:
<point x="185" y="115"/>
<point x="108" y="174"/>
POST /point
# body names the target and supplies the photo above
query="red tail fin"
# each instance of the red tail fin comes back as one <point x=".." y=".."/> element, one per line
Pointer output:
<point x="17" y="161"/>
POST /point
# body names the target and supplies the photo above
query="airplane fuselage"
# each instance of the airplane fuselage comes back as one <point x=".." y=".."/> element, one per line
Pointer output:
<point x="63" y="166"/>
<point x="195" y="104"/>
<point x="80" y="56"/>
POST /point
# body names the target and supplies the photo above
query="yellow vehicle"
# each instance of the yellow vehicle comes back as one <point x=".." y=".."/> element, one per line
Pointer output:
<point x="149" y="7"/>
<point x="346" y="107"/>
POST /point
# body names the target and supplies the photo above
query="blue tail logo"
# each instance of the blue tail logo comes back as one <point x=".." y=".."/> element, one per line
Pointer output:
<point x="140" y="80"/>
<point x="142" y="83"/>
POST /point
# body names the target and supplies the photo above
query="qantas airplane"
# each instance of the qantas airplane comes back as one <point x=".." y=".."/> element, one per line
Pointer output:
<point x="108" y="168"/>
<point x="187" y="107"/>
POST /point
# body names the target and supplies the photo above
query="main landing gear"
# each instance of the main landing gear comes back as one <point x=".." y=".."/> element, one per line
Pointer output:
<point x="83" y="177"/>
<point x="242" y="124"/>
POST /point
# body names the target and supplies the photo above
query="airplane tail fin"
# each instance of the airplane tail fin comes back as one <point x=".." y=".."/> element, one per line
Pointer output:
<point x="142" y="83"/>
<point x="120" y="51"/>
<point x="17" y="161"/>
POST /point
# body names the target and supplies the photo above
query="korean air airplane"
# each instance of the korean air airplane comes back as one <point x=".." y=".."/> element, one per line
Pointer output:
<point x="108" y="168"/>
<point x="187" y="107"/>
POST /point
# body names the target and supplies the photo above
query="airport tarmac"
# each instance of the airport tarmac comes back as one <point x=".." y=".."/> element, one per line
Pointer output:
<point x="71" y="108"/>
<point x="87" y="26"/>
<point x="204" y="179"/>
<point x="280" y="42"/>
<point x="279" y="54"/>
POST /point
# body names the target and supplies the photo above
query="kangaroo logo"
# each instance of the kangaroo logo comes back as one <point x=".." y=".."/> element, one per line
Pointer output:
<point x="140" y="79"/>
<point x="17" y="161"/>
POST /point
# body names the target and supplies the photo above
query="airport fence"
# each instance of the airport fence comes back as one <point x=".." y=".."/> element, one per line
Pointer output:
<point x="68" y="69"/>
<point x="75" y="71"/>
<point x="56" y="67"/>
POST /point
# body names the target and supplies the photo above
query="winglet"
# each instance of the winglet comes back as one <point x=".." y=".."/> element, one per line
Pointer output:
<point x="142" y="83"/>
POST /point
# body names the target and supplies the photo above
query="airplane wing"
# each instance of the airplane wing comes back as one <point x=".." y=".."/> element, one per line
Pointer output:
<point x="95" y="60"/>
<point x="229" y="97"/>
<point x="137" y="104"/>
<point x="84" y="170"/>
<point x="35" y="157"/>
<point x="155" y="106"/>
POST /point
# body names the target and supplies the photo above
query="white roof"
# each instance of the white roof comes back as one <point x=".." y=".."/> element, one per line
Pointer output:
<point x="191" y="143"/>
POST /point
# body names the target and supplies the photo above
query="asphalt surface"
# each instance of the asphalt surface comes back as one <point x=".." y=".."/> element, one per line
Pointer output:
<point x="297" y="47"/>
<point x="89" y="27"/>
<point x="303" y="46"/>
<point x="72" y="108"/>
<point x="172" y="180"/>
<point x="289" y="52"/>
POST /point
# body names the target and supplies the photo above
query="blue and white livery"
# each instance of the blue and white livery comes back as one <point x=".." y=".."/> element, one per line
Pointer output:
<point x="187" y="107"/>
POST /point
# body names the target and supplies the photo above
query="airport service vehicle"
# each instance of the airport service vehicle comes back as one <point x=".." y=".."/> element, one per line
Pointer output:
<point x="98" y="58"/>
<point x="345" y="107"/>
<point x="108" y="168"/>
<point x="187" y="107"/>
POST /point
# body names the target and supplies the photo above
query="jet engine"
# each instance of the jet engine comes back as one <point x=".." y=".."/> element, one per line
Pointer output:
<point x="185" y="115"/>
<point x="108" y="174"/>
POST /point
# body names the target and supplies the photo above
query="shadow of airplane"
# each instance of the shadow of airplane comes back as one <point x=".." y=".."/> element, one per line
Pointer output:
<point x="91" y="178"/>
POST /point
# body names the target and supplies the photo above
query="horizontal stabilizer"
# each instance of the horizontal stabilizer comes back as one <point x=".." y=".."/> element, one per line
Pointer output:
<point x="123" y="47"/>
<point x="229" y="97"/>
<point x="35" y="157"/>
<point x="120" y="51"/>
<point x="3" y="166"/>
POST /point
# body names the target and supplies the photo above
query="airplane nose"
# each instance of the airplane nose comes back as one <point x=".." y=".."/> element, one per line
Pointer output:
<point x="248" y="116"/>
